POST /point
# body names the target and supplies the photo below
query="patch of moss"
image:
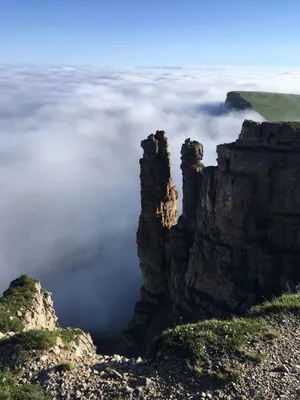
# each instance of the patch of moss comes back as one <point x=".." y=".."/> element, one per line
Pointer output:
<point x="35" y="340"/>
<point x="228" y="374"/>
<point x="200" y="165"/>
<point x="194" y="143"/>
<point x="11" y="390"/>
<point x="19" y="346"/>
<point x="64" y="367"/>
<point x="69" y="335"/>
<point x="224" y="337"/>
<point x="18" y="296"/>
<point x="42" y="339"/>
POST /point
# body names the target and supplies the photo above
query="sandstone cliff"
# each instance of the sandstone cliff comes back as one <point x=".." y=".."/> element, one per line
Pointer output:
<point x="238" y="239"/>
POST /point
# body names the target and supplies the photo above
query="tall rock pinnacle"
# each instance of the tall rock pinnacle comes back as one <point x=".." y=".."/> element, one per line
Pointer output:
<point x="158" y="213"/>
<point x="191" y="164"/>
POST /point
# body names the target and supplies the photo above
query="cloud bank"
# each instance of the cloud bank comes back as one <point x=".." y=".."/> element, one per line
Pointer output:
<point x="69" y="171"/>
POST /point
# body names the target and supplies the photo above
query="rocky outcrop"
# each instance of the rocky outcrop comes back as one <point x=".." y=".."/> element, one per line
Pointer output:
<point x="234" y="101"/>
<point x="238" y="239"/>
<point x="40" y="360"/>
<point x="247" y="244"/>
<point x="158" y="215"/>
<point x="25" y="305"/>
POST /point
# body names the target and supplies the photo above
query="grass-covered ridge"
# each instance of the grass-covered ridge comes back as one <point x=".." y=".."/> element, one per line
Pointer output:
<point x="18" y="296"/>
<point x="216" y="348"/>
<point x="279" y="305"/>
<point x="273" y="106"/>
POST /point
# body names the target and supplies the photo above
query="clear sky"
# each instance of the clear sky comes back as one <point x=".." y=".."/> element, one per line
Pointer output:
<point x="151" y="32"/>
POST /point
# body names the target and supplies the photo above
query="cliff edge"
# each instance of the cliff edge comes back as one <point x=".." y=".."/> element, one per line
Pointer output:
<point x="234" y="101"/>
<point x="238" y="239"/>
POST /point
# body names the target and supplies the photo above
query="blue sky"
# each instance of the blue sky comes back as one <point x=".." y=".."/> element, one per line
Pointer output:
<point x="151" y="32"/>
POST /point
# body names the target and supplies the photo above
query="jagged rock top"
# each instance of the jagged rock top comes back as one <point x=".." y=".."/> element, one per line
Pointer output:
<point x="155" y="143"/>
<point x="25" y="305"/>
<point x="191" y="154"/>
<point x="274" y="136"/>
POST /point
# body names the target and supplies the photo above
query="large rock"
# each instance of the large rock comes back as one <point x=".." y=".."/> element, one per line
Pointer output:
<point x="25" y="309"/>
<point x="26" y="305"/>
<point x="234" y="101"/>
<point x="238" y="239"/>
<point x="158" y="215"/>
<point x="247" y="244"/>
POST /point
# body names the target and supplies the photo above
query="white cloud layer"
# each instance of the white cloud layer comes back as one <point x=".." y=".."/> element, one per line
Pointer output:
<point x="69" y="171"/>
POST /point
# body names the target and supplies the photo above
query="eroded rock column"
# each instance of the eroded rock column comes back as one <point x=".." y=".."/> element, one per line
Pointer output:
<point x="191" y="164"/>
<point x="182" y="235"/>
<point x="158" y="213"/>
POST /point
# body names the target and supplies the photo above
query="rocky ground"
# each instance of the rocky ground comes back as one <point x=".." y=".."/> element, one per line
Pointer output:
<point x="65" y="375"/>
<point x="62" y="364"/>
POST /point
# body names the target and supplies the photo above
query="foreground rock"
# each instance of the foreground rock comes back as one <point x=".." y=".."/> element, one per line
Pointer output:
<point x="259" y="358"/>
<point x="25" y="305"/>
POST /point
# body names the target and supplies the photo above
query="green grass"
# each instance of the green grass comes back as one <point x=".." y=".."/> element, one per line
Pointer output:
<point x="64" y="367"/>
<point x="274" y="106"/>
<point x="35" y="340"/>
<point x="280" y="305"/>
<point x="18" y="296"/>
<point x="19" y="346"/>
<point x="195" y="341"/>
<point x="42" y="339"/>
<point x="201" y="344"/>
<point x="11" y="390"/>
<point x="69" y="335"/>
<point x="204" y="344"/>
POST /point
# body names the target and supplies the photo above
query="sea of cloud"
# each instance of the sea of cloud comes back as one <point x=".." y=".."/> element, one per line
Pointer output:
<point x="69" y="171"/>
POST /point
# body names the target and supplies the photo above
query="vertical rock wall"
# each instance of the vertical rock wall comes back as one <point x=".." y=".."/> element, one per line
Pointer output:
<point x="238" y="238"/>
<point x="158" y="212"/>
<point x="247" y="244"/>
<point x="158" y="215"/>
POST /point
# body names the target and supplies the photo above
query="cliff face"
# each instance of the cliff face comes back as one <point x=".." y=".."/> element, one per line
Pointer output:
<point x="158" y="214"/>
<point x="238" y="239"/>
<point x="234" y="101"/>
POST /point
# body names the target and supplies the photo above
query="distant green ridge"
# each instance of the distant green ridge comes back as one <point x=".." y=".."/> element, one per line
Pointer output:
<point x="271" y="106"/>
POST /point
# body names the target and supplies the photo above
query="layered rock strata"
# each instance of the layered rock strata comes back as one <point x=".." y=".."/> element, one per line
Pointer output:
<point x="238" y="238"/>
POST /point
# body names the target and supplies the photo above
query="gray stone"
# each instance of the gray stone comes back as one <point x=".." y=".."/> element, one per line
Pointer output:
<point x="238" y="239"/>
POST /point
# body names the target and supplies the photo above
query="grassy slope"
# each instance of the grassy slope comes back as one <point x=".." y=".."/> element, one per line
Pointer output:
<point x="274" y="106"/>
<point x="226" y="343"/>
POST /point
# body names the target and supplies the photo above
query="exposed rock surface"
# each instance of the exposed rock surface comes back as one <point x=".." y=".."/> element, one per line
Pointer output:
<point x="238" y="239"/>
<point x="25" y="305"/>
<point x="158" y="215"/>
<point x="64" y="363"/>
<point x="234" y="101"/>
<point x="247" y="244"/>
